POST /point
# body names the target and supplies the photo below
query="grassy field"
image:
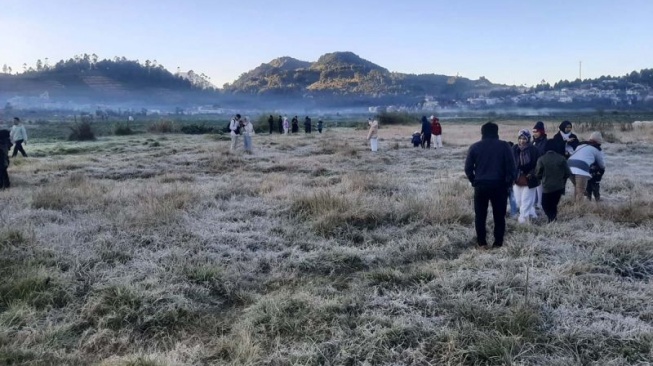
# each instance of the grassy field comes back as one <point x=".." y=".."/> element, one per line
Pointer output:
<point x="157" y="249"/>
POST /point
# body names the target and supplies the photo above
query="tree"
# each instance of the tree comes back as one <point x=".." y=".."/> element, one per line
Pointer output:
<point x="5" y="69"/>
<point x="39" y="65"/>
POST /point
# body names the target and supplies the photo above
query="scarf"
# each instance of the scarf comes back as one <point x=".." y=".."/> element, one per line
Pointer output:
<point x="524" y="156"/>
<point x="565" y="136"/>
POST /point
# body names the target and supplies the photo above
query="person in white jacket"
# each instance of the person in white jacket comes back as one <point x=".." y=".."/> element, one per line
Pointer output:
<point x="373" y="134"/>
<point x="248" y="132"/>
<point x="18" y="137"/>
<point x="235" y="126"/>
<point x="585" y="154"/>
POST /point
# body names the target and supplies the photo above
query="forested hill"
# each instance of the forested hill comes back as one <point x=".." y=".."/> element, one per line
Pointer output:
<point x="87" y="77"/>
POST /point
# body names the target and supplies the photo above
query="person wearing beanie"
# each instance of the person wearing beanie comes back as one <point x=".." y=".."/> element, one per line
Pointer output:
<point x="490" y="168"/>
<point x="565" y="141"/>
<point x="552" y="170"/>
<point x="436" y="130"/>
<point x="539" y="141"/>
<point x="526" y="156"/>
<point x="426" y="133"/>
<point x="587" y="153"/>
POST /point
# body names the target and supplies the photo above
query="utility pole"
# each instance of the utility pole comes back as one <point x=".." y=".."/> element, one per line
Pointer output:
<point x="580" y="70"/>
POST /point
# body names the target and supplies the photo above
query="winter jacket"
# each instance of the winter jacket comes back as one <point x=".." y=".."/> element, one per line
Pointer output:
<point x="18" y="133"/>
<point x="426" y="127"/>
<point x="490" y="163"/>
<point x="436" y="128"/>
<point x="233" y="127"/>
<point x="552" y="170"/>
<point x="585" y="155"/>
<point x="5" y="145"/>
<point x="539" y="143"/>
<point x="563" y="147"/>
<point x="527" y="169"/>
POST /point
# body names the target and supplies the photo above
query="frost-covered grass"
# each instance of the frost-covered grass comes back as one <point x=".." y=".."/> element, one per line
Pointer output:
<point x="170" y="250"/>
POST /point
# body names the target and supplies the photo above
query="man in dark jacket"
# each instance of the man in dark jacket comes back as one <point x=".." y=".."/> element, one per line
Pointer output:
<point x="280" y="123"/>
<point x="5" y="145"/>
<point x="490" y="167"/>
<point x="426" y="133"/>
<point x="552" y="170"/>
<point x="271" y="123"/>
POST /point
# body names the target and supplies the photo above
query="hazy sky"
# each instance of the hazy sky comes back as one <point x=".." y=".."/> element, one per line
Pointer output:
<point x="507" y="41"/>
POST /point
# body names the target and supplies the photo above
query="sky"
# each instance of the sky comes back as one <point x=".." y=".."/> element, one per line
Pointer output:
<point x="516" y="42"/>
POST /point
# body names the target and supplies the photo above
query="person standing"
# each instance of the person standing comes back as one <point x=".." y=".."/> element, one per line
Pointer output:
<point x="319" y="126"/>
<point x="5" y="145"/>
<point x="285" y="125"/>
<point x="436" y="130"/>
<point x="526" y="156"/>
<point x="373" y="135"/>
<point x="248" y="132"/>
<point x="271" y="123"/>
<point x="280" y="123"/>
<point x="235" y="126"/>
<point x="295" y="125"/>
<point x="539" y="141"/>
<point x="565" y="141"/>
<point x="490" y="168"/>
<point x="586" y="154"/>
<point x="552" y="170"/>
<point x="426" y="133"/>
<point x="18" y="137"/>
<point x="307" y="125"/>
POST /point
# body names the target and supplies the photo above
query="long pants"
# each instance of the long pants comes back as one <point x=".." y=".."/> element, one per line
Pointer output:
<point x="525" y="198"/>
<point x="593" y="188"/>
<point x="271" y="127"/>
<point x="18" y="147"/>
<point x="374" y="144"/>
<point x="4" y="178"/>
<point x="497" y="196"/>
<point x="538" y="197"/>
<point x="234" y="142"/>
<point x="426" y="140"/>
<point x="580" y="184"/>
<point x="247" y="141"/>
<point x="550" y="204"/>
<point x="514" y="209"/>
<point x="438" y="140"/>
<point x="280" y="127"/>
<point x="285" y="130"/>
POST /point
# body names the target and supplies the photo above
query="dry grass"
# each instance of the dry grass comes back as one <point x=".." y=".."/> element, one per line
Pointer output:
<point x="171" y="250"/>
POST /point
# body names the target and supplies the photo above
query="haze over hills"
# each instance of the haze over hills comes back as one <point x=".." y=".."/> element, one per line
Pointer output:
<point x="338" y="79"/>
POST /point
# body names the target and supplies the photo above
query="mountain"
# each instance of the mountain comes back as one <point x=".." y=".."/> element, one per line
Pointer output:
<point x="345" y="73"/>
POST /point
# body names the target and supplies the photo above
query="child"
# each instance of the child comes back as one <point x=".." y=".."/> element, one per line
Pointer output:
<point x="417" y="139"/>
<point x="594" y="183"/>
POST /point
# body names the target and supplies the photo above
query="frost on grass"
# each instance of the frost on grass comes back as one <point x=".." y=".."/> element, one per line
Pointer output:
<point x="315" y="252"/>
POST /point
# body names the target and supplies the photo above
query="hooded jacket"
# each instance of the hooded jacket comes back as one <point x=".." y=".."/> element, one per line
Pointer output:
<point x="490" y="162"/>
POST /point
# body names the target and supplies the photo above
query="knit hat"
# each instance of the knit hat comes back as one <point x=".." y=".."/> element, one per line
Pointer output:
<point x="490" y="129"/>
<point x="539" y="127"/>
<point x="564" y="125"/>
<point x="596" y="137"/>
<point x="524" y="133"/>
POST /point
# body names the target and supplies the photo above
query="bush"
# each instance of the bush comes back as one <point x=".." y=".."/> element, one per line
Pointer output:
<point x="197" y="129"/>
<point x="396" y="118"/>
<point x="161" y="127"/>
<point x="122" y="129"/>
<point x="81" y="131"/>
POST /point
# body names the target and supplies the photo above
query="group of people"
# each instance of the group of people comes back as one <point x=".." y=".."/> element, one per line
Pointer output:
<point x="431" y="130"/>
<point x="293" y="127"/>
<point x="241" y="126"/>
<point x="530" y="174"/>
<point x="17" y="136"/>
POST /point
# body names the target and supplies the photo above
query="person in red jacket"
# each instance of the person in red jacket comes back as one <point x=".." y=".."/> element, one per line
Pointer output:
<point x="436" y="130"/>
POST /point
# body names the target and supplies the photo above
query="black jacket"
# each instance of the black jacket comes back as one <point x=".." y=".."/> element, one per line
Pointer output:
<point x="560" y="144"/>
<point x="490" y="163"/>
<point x="540" y="144"/>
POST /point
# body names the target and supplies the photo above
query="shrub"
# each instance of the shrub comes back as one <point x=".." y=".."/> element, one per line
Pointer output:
<point x="122" y="129"/>
<point x="197" y="129"/>
<point x="396" y="118"/>
<point x="161" y="127"/>
<point x="81" y="131"/>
